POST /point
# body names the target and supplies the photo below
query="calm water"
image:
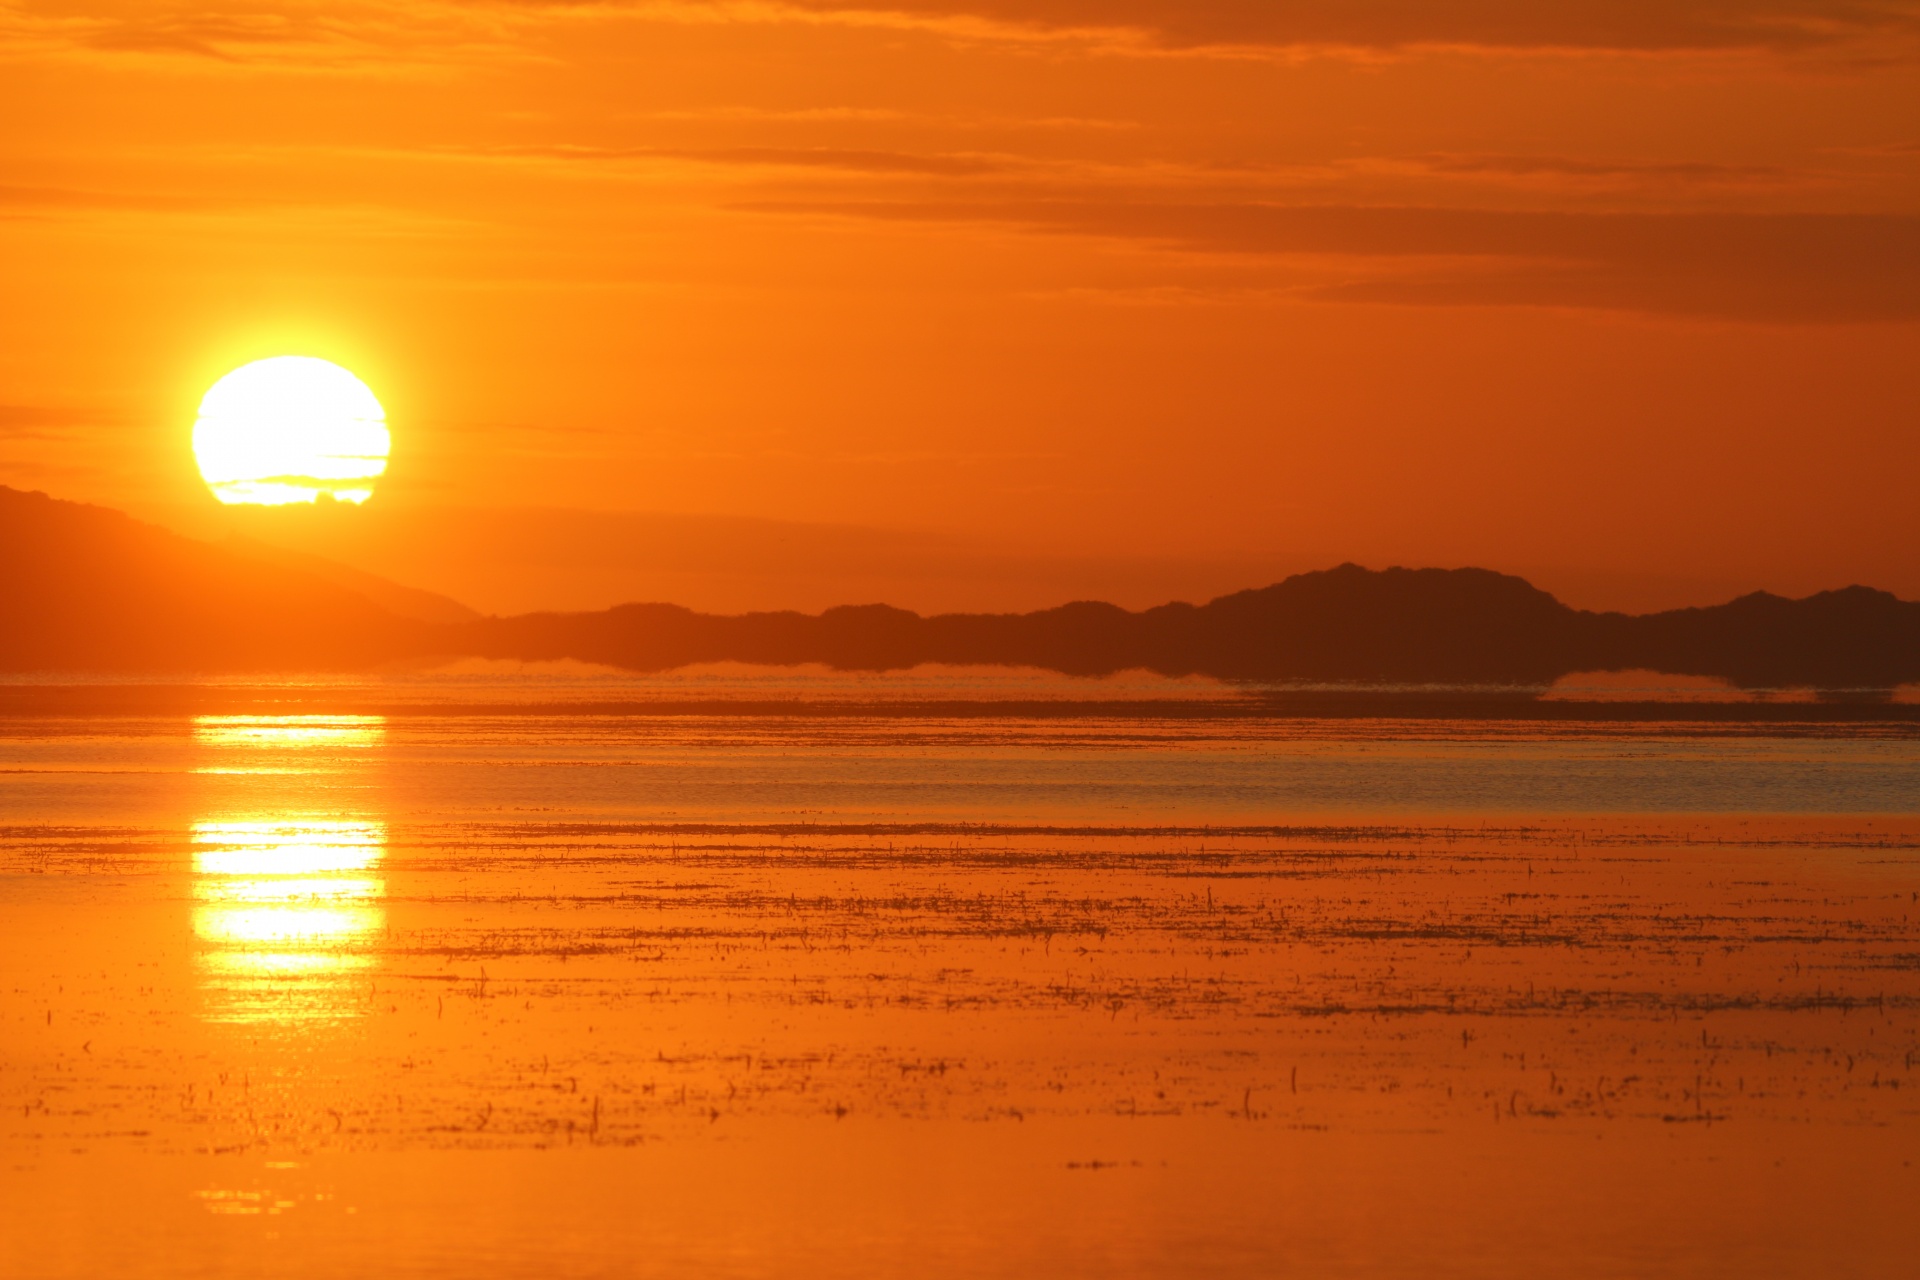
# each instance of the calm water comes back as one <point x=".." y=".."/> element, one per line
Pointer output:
<point x="484" y="981"/>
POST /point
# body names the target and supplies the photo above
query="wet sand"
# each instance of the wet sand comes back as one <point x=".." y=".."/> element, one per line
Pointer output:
<point x="286" y="996"/>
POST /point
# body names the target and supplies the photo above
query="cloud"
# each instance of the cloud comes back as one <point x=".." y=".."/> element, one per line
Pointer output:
<point x="1638" y="25"/>
<point x="1570" y="169"/>
<point x="42" y="422"/>
<point x="350" y="31"/>
<point x="289" y="34"/>
<point x="208" y="35"/>
<point x="45" y="200"/>
<point x="1759" y="267"/>
<point x="849" y="159"/>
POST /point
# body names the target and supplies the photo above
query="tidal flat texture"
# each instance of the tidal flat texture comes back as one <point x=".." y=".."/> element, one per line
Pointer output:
<point x="551" y="994"/>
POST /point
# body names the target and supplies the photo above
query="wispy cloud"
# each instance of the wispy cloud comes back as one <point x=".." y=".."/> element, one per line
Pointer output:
<point x="853" y="159"/>
<point x="43" y="422"/>
<point x="31" y="200"/>
<point x="1761" y="267"/>
<point x="1611" y="172"/>
<point x="291" y="35"/>
<point x="1624" y="25"/>
<point x="325" y="34"/>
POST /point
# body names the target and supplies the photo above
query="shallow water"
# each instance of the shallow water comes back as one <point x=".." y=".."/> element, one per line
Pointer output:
<point x="534" y="992"/>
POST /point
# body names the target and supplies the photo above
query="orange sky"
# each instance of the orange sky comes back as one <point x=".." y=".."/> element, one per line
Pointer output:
<point x="990" y="304"/>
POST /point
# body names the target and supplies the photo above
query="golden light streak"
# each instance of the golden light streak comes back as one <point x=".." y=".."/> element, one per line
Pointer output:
<point x="287" y="902"/>
<point x="280" y="900"/>
<point x="289" y="731"/>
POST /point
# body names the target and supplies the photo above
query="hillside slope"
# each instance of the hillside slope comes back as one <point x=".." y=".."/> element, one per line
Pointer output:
<point x="83" y="588"/>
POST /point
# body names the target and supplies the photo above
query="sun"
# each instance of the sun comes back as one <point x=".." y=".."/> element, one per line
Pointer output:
<point x="288" y="430"/>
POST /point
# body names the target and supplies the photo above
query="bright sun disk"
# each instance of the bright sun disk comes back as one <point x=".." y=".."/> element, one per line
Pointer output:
<point x="289" y="429"/>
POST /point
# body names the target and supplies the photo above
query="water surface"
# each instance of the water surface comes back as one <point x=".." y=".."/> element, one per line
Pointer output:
<point x="489" y="981"/>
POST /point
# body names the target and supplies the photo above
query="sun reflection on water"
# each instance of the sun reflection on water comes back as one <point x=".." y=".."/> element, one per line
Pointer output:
<point x="287" y="906"/>
<point x="283" y="744"/>
<point x="286" y="913"/>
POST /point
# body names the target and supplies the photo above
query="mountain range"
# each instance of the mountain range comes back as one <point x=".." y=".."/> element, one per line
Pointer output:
<point x="90" y="589"/>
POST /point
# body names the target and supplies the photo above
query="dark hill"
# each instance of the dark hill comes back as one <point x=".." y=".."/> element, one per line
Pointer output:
<point x="1853" y="638"/>
<point x="1349" y="623"/>
<point x="84" y="588"/>
<point x="1455" y="626"/>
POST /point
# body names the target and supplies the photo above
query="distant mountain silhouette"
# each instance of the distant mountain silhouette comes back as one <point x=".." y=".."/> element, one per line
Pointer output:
<point x="1455" y="626"/>
<point x="84" y="588"/>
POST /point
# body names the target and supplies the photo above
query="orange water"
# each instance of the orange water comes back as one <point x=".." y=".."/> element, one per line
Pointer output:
<point x="523" y="995"/>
